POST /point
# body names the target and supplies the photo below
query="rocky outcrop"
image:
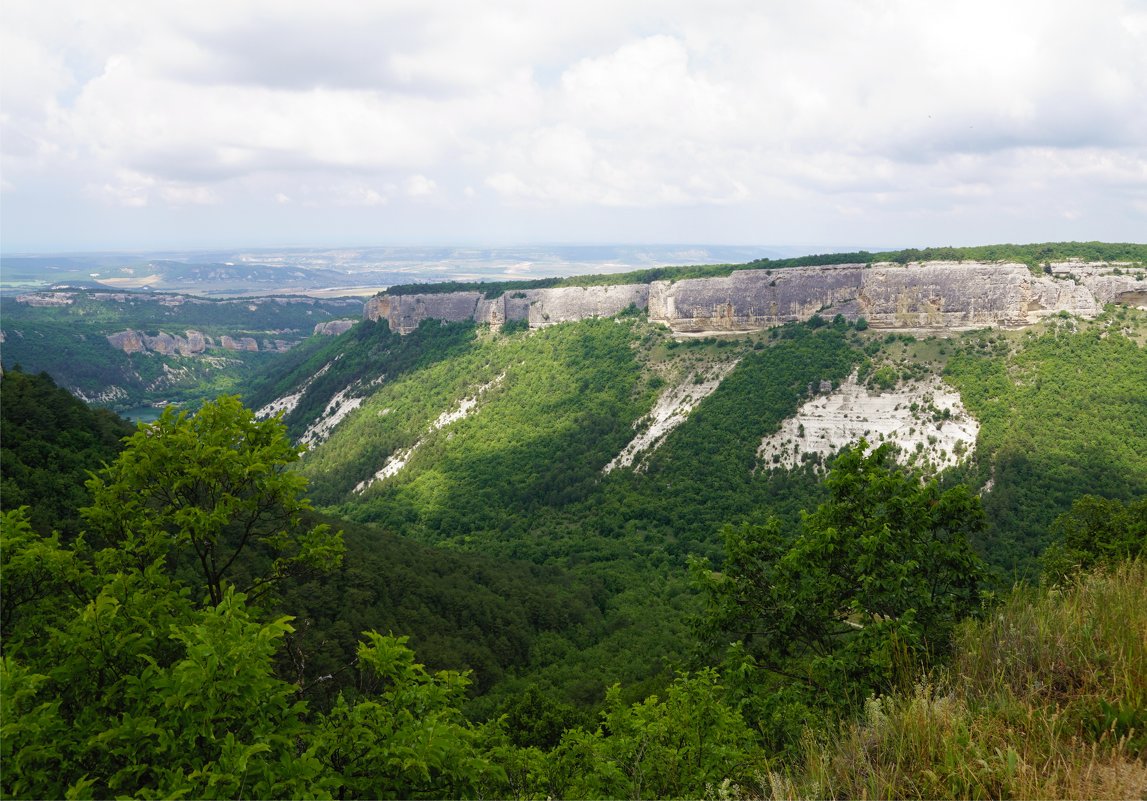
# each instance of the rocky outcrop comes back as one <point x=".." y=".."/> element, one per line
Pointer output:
<point x="943" y="295"/>
<point x="333" y="328"/>
<point x="538" y="307"/>
<point x="931" y="295"/>
<point x="46" y="299"/>
<point x="755" y="299"/>
<point x="193" y="344"/>
<point x="128" y="341"/>
<point x="135" y="342"/>
<point x="405" y="312"/>
<point x="241" y="343"/>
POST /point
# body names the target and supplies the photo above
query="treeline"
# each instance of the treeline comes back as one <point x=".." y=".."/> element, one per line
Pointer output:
<point x="1033" y="255"/>
<point x="492" y="289"/>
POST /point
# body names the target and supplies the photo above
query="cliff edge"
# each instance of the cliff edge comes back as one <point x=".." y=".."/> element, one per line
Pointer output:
<point x="927" y="295"/>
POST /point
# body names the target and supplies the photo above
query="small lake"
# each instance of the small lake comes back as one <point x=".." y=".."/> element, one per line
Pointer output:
<point x="142" y="414"/>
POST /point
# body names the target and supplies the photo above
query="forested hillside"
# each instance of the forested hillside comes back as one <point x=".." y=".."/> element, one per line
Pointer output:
<point x="50" y="441"/>
<point x="591" y="560"/>
<point x="460" y="609"/>
<point x="497" y="441"/>
<point x="121" y="675"/>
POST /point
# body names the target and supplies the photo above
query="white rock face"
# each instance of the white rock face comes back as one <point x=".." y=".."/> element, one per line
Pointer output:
<point x="287" y="403"/>
<point x="336" y="409"/>
<point x="938" y="430"/>
<point x="397" y="460"/>
<point x="671" y="410"/>
<point x="929" y="295"/>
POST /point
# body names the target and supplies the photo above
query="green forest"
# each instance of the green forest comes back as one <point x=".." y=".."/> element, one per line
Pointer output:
<point x="68" y="340"/>
<point x="451" y="596"/>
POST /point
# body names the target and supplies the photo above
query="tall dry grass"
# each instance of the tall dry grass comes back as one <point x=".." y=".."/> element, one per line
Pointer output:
<point x="1047" y="698"/>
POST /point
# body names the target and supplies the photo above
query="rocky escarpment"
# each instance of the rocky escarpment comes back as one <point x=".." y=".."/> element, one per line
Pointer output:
<point x="193" y="344"/>
<point x="168" y="344"/>
<point x="333" y="328"/>
<point x="951" y="295"/>
<point x="938" y="295"/>
<point x="538" y="307"/>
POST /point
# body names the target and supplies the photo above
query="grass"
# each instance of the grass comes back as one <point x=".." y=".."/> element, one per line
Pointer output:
<point x="1045" y="698"/>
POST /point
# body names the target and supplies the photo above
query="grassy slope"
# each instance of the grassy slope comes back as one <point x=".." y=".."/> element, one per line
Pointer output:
<point x="1044" y="699"/>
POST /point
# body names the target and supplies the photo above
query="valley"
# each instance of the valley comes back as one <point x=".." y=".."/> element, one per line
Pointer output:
<point x="576" y="492"/>
<point x="128" y="350"/>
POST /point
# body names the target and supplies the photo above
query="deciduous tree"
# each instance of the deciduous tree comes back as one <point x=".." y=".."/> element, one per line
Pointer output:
<point x="881" y="569"/>
<point x="213" y="494"/>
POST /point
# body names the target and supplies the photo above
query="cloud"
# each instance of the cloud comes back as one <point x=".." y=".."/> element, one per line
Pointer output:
<point x="420" y="186"/>
<point x="749" y="109"/>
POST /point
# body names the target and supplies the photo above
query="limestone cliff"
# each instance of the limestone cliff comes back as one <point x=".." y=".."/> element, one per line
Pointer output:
<point x="538" y="307"/>
<point x="242" y="343"/>
<point x="939" y="295"/>
<point x="332" y="328"/>
<point x="193" y="344"/>
<point x="135" y="342"/>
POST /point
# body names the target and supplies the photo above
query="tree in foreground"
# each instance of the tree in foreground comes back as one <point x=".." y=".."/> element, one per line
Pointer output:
<point x="116" y="679"/>
<point x="874" y="580"/>
<point x="212" y="494"/>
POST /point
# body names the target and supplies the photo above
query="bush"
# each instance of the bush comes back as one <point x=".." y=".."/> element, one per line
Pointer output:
<point x="1044" y="699"/>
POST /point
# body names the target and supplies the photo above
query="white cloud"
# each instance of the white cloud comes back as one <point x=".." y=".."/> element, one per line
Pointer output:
<point x="420" y="186"/>
<point x="176" y="195"/>
<point x="755" y="110"/>
<point x="357" y="195"/>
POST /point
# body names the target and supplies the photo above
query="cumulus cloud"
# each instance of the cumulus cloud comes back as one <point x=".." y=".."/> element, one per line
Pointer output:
<point x="420" y="186"/>
<point x="878" y="113"/>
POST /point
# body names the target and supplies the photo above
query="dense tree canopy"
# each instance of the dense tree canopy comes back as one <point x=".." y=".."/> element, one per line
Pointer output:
<point x="882" y="568"/>
<point x="1096" y="531"/>
<point x="51" y="439"/>
<point x="214" y="484"/>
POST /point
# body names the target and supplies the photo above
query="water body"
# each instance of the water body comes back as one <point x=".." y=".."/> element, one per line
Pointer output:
<point x="142" y="414"/>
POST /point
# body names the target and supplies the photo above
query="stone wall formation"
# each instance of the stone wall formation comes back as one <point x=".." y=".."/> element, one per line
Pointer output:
<point x="929" y="295"/>
<point x="193" y="344"/>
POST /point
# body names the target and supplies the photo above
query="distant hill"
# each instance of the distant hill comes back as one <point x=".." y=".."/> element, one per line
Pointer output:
<point x="129" y="349"/>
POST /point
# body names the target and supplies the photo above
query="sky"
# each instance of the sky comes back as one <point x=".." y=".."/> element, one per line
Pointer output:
<point x="147" y="124"/>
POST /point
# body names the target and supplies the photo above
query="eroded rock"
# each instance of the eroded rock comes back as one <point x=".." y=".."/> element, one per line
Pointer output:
<point x="930" y="295"/>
